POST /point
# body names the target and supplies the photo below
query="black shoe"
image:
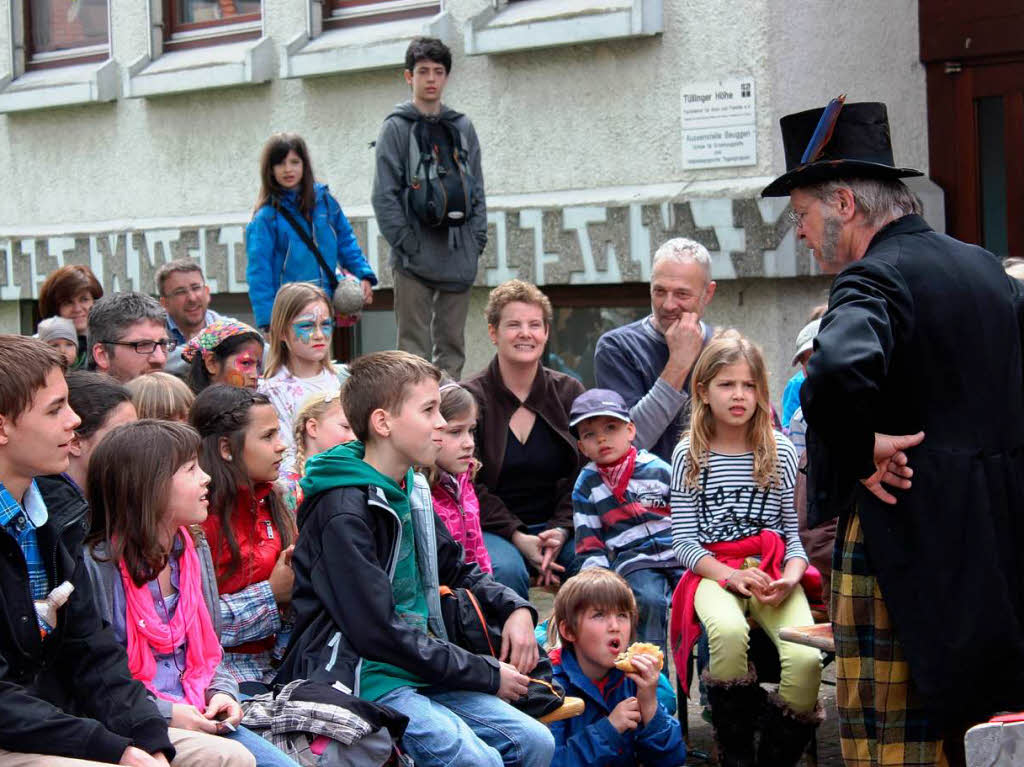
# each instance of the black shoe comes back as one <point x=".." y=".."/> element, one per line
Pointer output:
<point x="736" y="705"/>
<point x="785" y="733"/>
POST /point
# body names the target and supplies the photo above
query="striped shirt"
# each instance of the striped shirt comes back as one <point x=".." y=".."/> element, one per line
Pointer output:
<point x="728" y="505"/>
<point x="624" y="536"/>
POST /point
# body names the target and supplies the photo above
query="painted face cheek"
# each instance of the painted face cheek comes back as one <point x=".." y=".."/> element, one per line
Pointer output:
<point x="303" y="332"/>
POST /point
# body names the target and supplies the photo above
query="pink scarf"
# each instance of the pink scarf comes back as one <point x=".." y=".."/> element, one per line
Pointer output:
<point x="191" y="624"/>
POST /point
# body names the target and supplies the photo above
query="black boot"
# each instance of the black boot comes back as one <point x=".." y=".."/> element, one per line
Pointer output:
<point x="736" y="705"/>
<point x="786" y="733"/>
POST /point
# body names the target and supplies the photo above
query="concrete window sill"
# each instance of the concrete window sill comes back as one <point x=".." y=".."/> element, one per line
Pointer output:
<point x="59" y="87"/>
<point x="215" y="66"/>
<point x="359" y="48"/>
<point x="549" y="23"/>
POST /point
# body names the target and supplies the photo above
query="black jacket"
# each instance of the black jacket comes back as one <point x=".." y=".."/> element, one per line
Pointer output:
<point x="924" y="333"/>
<point x="551" y="398"/>
<point x="70" y="694"/>
<point x="66" y="508"/>
<point x="343" y="600"/>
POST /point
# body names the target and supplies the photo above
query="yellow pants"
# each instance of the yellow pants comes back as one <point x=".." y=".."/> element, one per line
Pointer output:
<point x="724" y="616"/>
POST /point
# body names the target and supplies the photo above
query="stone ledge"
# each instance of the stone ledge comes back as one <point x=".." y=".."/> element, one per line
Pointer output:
<point x="59" y="87"/>
<point x="249" y="62"/>
<point x="359" y="48"/>
<point x="549" y="23"/>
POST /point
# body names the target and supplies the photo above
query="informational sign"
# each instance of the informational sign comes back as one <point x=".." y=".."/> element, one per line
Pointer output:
<point x="719" y="124"/>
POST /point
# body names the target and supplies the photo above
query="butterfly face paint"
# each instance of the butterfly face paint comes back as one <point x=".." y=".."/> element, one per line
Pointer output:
<point x="244" y="368"/>
<point x="309" y="340"/>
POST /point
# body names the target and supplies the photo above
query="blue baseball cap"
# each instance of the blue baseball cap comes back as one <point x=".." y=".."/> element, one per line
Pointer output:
<point x="594" y="402"/>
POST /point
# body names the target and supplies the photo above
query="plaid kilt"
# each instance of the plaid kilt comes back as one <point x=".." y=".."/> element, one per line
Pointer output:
<point x="881" y="719"/>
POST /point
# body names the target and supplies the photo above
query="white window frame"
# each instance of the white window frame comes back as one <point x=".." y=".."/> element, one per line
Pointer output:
<point x="77" y="83"/>
<point x="373" y="45"/>
<point x="527" y="24"/>
<point x="219" y="65"/>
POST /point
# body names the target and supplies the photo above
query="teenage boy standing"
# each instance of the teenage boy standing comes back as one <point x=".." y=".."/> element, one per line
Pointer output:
<point x="370" y="558"/>
<point x="65" y="691"/>
<point x="434" y="264"/>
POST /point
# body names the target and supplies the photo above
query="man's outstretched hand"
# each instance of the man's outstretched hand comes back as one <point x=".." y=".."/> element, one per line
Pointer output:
<point x="891" y="466"/>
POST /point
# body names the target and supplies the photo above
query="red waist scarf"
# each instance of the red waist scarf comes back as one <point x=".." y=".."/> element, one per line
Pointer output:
<point x="684" y="627"/>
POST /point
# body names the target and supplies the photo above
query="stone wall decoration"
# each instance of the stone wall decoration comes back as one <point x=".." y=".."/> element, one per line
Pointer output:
<point x="571" y="245"/>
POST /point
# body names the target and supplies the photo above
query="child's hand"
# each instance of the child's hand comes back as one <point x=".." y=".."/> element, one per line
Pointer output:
<point x="187" y="717"/>
<point x="646" y="680"/>
<point x="777" y="591"/>
<point x="748" y="582"/>
<point x="282" y="578"/>
<point x="626" y="715"/>
<point x="223" y="708"/>
<point x="518" y="642"/>
<point x="513" y="684"/>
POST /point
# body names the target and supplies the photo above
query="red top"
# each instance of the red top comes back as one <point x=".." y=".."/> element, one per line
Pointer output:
<point x="259" y="540"/>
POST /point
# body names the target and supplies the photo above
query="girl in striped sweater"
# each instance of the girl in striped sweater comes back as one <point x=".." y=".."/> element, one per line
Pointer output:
<point x="735" y="529"/>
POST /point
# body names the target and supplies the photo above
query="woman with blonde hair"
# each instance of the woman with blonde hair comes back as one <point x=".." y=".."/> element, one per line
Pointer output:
<point x="734" y="528"/>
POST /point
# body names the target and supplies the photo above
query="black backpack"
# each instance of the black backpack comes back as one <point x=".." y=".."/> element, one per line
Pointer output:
<point x="440" y="194"/>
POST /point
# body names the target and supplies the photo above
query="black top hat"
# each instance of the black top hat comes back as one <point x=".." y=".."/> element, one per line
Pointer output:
<point x="859" y="147"/>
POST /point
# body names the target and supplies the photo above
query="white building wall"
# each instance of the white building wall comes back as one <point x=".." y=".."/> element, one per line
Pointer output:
<point x="581" y="147"/>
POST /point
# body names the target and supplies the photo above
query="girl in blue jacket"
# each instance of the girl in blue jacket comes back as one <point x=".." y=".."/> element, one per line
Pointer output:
<point x="277" y="253"/>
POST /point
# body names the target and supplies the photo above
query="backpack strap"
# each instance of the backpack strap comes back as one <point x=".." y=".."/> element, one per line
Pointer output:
<point x="305" y="236"/>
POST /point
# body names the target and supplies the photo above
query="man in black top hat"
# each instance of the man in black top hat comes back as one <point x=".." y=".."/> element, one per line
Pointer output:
<point x="917" y="371"/>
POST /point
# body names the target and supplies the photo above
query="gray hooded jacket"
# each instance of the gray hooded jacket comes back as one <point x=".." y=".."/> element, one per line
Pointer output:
<point x="444" y="258"/>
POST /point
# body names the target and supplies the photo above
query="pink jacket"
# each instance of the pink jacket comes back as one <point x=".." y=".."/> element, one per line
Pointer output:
<point x="456" y="504"/>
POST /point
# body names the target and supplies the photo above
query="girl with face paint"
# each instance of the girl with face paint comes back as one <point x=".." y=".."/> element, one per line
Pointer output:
<point x="299" y="361"/>
<point x="227" y="352"/>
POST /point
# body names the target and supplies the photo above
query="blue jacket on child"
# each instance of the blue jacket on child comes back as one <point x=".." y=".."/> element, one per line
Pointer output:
<point x="590" y="740"/>
<point x="277" y="255"/>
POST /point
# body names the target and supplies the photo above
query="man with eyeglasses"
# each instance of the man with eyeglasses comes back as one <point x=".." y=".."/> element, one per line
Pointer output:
<point x="186" y="297"/>
<point x="128" y="336"/>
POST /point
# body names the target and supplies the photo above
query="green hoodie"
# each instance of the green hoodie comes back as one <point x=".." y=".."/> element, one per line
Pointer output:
<point x="343" y="466"/>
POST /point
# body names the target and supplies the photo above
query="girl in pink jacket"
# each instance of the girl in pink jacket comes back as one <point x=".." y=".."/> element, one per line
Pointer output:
<point x="451" y="479"/>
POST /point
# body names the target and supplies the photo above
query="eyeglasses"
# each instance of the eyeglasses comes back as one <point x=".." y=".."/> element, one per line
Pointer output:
<point x="146" y="348"/>
<point x="796" y="219"/>
<point x="182" y="292"/>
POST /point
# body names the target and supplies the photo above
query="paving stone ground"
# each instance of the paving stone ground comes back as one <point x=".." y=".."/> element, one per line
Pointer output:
<point x="701" y="732"/>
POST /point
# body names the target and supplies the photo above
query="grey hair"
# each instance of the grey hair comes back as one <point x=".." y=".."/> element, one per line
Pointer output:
<point x="171" y="267"/>
<point x="112" y="315"/>
<point x="682" y="250"/>
<point x="877" y="200"/>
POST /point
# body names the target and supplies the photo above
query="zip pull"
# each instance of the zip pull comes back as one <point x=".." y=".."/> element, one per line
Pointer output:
<point x="270" y="529"/>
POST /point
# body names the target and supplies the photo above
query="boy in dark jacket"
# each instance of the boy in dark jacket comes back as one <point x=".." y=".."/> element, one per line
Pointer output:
<point x="370" y="558"/>
<point x="65" y="689"/>
<point x="623" y="723"/>
<point x="434" y="266"/>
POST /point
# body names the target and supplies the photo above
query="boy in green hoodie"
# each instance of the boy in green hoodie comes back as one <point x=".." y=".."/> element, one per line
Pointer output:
<point x="370" y="558"/>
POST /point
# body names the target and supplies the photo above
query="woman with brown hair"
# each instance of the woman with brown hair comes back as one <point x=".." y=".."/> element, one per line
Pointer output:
<point x="293" y="213"/>
<point x="70" y="292"/>
<point x="530" y="460"/>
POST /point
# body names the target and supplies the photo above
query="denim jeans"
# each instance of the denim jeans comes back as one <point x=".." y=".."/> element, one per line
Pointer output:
<point x="266" y="753"/>
<point x="509" y="566"/>
<point x="459" y="728"/>
<point x="653" y="589"/>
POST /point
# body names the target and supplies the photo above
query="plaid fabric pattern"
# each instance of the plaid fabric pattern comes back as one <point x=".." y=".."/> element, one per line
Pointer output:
<point x="881" y="717"/>
<point x="16" y="522"/>
<point x="247" y="616"/>
<point x="292" y="725"/>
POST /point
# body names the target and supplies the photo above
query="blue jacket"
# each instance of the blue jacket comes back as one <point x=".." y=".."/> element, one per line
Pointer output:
<point x="277" y="255"/>
<point x="590" y="740"/>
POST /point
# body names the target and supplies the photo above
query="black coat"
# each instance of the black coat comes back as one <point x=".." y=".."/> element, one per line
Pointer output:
<point x="344" y="604"/>
<point x="70" y="694"/>
<point x="924" y="333"/>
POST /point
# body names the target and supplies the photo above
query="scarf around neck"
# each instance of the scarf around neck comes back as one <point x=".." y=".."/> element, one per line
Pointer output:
<point x="148" y="634"/>
<point x="617" y="475"/>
